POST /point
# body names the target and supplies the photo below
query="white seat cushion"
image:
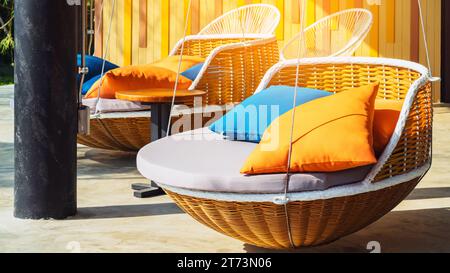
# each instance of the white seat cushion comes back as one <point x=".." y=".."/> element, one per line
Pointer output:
<point x="113" y="105"/>
<point x="205" y="161"/>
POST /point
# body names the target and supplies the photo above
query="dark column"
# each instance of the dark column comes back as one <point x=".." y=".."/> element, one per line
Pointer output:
<point x="45" y="109"/>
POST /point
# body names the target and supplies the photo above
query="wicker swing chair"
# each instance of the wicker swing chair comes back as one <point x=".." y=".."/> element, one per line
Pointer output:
<point x="235" y="45"/>
<point x="339" y="34"/>
<point x="255" y="215"/>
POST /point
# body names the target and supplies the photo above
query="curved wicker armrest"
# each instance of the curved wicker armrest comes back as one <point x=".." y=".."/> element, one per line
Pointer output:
<point x="413" y="149"/>
<point x="233" y="71"/>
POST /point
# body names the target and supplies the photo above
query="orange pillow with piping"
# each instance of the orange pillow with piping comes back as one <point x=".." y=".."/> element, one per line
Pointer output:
<point x="136" y="77"/>
<point x="387" y="113"/>
<point x="171" y="62"/>
<point x="330" y="134"/>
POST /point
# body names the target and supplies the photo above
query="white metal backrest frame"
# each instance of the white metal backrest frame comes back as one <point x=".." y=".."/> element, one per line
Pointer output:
<point x="353" y="43"/>
<point x="269" y="28"/>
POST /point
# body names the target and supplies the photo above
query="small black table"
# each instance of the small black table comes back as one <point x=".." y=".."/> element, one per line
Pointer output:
<point x="160" y="101"/>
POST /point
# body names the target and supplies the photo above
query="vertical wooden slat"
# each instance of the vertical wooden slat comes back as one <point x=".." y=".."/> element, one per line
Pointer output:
<point x="218" y="8"/>
<point x="445" y="58"/>
<point x="186" y="15"/>
<point x="436" y="49"/>
<point x="390" y="20"/>
<point x="105" y="24"/>
<point x="195" y="16"/>
<point x="326" y="7"/>
<point x="415" y="26"/>
<point x="143" y="23"/>
<point x="98" y="29"/>
<point x="402" y="13"/>
<point x="207" y="10"/>
<point x="135" y="26"/>
<point x="244" y="2"/>
<point x="347" y="4"/>
<point x="295" y="11"/>
<point x="310" y="12"/>
<point x="280" y="29"/>
<point x="152" y="30"/>
<point x="127" y="33"/>
<point x="373" y="36"/>
<point x="334" y="6"/>
<point x="359" y="3"/>
<point x="165" y="27"/>
<point x="116" y="40"/>
<point x="323" y="41"/>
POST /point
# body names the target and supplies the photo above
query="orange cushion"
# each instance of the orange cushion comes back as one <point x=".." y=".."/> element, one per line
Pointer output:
<point x="171" y="62"/>
<point x="136" y="77"/>
<point x="386" y="117"/>
<point x="330" y="134"/>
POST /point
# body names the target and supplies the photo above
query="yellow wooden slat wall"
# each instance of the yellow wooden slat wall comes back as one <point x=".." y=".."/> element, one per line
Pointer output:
<point x="391" y="35"/>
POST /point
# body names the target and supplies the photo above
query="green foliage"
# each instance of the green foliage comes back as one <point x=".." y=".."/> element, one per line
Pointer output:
<point x="6" y="27"/>
<point x="6" y="80"/>
<point x="6" y="44"/>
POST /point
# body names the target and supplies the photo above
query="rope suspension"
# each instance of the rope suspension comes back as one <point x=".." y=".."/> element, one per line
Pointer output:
<point x="425" y="41"/>
<point x="108" y="39"/>
<point x="430" y="76"/>
<point x="91" y="40"/>
<point x="285" y="199"/>
<point x="186" y="24"/>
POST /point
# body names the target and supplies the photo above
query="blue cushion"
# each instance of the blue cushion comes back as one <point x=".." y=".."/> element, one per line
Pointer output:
<point x="88" y="84"/>
<point x="248" y="120"/>
<point x="193" y="72"/>
<point x="95" y="66"/>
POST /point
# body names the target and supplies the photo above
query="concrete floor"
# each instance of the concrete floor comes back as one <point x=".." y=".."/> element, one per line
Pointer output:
<point x="111" y="220"/>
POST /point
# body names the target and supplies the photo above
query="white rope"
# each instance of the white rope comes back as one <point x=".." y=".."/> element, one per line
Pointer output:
<point x="169" y="124"/>
<point x="108" y="38"/>
<point x="99" y="23"/>
<point x="431" y="77"/>
<point x="294" y="106"/>
<point x="425" y="41"/>
<point x="83" y="69"/>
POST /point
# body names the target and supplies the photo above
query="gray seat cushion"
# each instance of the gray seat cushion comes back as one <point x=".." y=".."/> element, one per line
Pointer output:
<point x="205" y="161"/>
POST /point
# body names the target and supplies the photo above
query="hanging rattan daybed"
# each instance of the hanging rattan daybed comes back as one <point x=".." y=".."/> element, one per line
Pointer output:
<point x="239" y="48"/>
<point x="202" y="175"/>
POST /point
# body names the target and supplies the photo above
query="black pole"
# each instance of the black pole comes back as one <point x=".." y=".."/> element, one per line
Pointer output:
<point x="45" y="109"/>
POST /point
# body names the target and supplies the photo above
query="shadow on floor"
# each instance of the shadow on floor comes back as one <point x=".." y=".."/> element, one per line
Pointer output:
<point x="429" y="193"/>
<point x="127" y="211"/>
<point x="400" y="231"/>
<point x="105" y="164"/>
<point x="107" y="157"/>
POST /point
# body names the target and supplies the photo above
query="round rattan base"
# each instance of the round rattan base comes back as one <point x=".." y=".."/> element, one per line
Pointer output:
<point x="127" y="134"/>
<point x="312" y="222"/>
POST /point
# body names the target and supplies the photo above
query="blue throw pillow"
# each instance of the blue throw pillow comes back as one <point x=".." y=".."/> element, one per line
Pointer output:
<point x="95" y="66"/>
<point x="248" y="120"/>
<point x="193" y="72"/>
<point x="88" y="84"/>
